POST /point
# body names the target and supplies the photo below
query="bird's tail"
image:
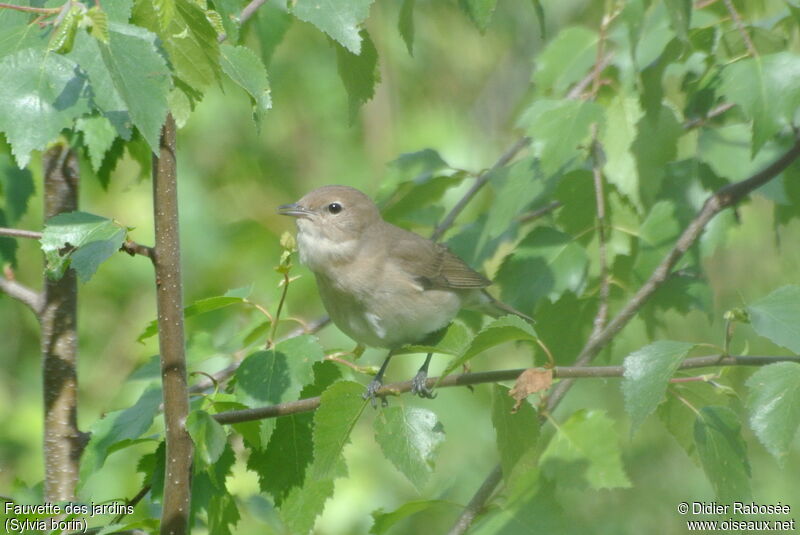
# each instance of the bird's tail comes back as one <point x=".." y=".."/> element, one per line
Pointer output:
<point x="496" y="308"/>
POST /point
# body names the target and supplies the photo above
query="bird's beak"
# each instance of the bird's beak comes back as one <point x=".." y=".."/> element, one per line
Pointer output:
<point x="294" y="210"/>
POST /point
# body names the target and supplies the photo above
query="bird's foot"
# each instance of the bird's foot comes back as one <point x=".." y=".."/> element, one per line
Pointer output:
<point x="372" y="393"/>
<point x="419" y="386"/>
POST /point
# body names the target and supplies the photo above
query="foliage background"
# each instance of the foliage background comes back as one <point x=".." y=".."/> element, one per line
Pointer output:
<point x="461" y="94"/>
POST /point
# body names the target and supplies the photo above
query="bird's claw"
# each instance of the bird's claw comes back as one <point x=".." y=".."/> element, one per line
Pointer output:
<point x="372" y="394"/>
<point x="419" y="386"/>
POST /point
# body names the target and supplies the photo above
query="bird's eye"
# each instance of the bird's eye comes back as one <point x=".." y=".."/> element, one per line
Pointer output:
<point x="334" y="207"/>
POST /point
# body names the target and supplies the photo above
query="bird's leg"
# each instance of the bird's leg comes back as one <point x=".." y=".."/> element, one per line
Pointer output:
<point x="418" y="383"/>
<point x="376" y="383"/>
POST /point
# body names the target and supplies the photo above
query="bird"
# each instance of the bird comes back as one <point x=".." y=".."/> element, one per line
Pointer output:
<point x="382" y="285"/>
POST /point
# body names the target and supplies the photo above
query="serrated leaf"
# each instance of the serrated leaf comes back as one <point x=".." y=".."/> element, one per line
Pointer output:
<point x="98" y="24"/>
<point x="127" y="91"/>
<point x="304" y="504"/>
<point x="271" y="24"/>
<point x="505" y="329"/>
<point x="98" y="136"/>
<point x="359" y="72"/>
<point x="768" y="90"/>
<point x="560" y="131"/>
<point x="584" y="452"/>
<point x="117" y="426"/>
<point x="647" y="373"/>
<point x="201" y="306"/>
<point x="723" y="453"/>
<point x="619" y="132"/>
<point x="247" y="70"/>
<point x="777" y="317"/>
<point x="655" y="146"/>
<point x="515" y="432"/>
<point x="449" y="341"/>
<point x="43" y="93"/>
<point x="405" y="24"/>
<point x="277" y="375"/>
<point x="340" y="408"/>
<point x="64" y="35"/>
<point x="479" y="11"/>
<point x="16" y="186"/>
<point x="774" y="403"/>
<point x="81" y="241"/>
<point x="409" y="438"/>
<point x="545" y="264"/>
<point x="382" y="521"/>
<point x="565" y="60"/>
<point x="208" y="435"/>
<point x="189" y="39"/>
<point x="340" y="19"/>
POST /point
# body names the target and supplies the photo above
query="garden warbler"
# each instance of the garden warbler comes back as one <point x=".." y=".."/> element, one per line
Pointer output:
<point x="383" y="286"/>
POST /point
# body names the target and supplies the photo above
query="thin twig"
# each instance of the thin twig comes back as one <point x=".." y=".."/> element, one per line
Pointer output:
<point x="284" y="290"/>
<point x="577" y="90"/>
<point x="481" y="181"/>
<point x="29" y="9"/>
<point x="737" y="20"/>
<point x="601" y="317"/>
<point x="476" y="504"/>
<point x="28" y="297"/>
<point x="133" y="248"/>
<point x="250" y="10"/>
<point x="536" y="214"/>
<point x="466" y="379"/>
<point x="715" y="112"/>
<point x="20" y="233"/>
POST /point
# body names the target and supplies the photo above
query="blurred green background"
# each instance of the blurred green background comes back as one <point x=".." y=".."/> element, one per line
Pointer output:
<point x="459" y="93"/>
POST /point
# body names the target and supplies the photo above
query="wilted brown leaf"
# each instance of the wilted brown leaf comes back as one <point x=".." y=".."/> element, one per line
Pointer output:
<point x="529" y="382"/>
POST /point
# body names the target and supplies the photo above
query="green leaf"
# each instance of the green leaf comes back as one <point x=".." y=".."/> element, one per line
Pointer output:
<point x="584" y="452"/>
<point x="774" y="403"/>
<point x="208" y="435"/>
<point x="768" y="90"/>
<point x="118" y="426"/>
<point x="545" y="264"/>
<point x="340" y="19"/>
<point x="505" y="329"/>
<point x="229" y="11"/>
<point x="451" y="340"/>
<point x="565" y="60"/>
<point x="655" y="146"/>
<point x="98" y="136"/>
<point x="359" y="72"/>
<point x="247" y="70"/>
<point x="479" y="11"/>
<point x="723" y="453"/>
<point x="516" y="432"/>
<point x="777" y="317"/>
<point x="98" y="27"/>
<point x="42" y="94"/>
<point x="560" y="131"/>
<point x="64" y="34"/>
<point x="118" y="10"/>
<point x="223" y="513"/>
<point x="405" y="24"/>
<point x="81" y="241"/>
<point x="409" y="438"/>
<point x="276" y="375"/>
<point x="340" y="408"/>
<point x="568" y="314"/>
<point x="647" y="373"/>
<point x="382" y="522"/>
<point x="201" y="306"/>
<point x="190" y="41"/>
<point x="652" y="93"/>
<point x="680" y="16"/>
<point x="16" y="186"/>
<point x="622" y="116"/>
<point x="271" y="24"/>
<point x="127" y="90"/>
<point x="304" y="504"/>
<point x="165" y="9"/>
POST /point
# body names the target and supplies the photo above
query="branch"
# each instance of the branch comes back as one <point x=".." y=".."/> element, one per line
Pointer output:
<point x="481" y="181"/>
<point x="466" y="379"/>
<point x="536" y="214"/>
<point x="133" y="248"/>
<point x="605" y="288"/>
<point x="20" y="233"/>
<point x="250" y="10"/>
<point x="737" y="20"/>
<point x="29" y="9"/>
<point x="475" y="505"/>
<point x="167" y="262"/>
<point x="28" y="297"/>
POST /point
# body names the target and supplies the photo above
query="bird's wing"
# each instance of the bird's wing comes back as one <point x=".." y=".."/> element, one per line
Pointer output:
<point x="433" y="265"/>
